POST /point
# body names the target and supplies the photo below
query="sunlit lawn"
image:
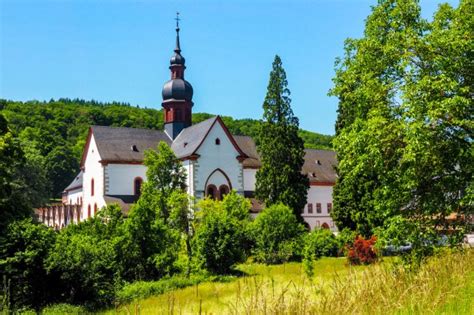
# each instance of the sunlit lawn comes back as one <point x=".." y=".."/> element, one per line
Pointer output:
<point x="444" y="285"/>
<point x="217" y="298"/>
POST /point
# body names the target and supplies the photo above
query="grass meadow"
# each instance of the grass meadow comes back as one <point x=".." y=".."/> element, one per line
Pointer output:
<point x="444" y="285"/>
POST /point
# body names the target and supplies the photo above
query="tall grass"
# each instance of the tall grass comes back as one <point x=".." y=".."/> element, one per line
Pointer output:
<point x="444" y="285"/>
<point x="379" y="289"/>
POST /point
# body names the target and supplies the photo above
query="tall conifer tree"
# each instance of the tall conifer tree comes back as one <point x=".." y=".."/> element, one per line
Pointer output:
<point x="280" y="148"/>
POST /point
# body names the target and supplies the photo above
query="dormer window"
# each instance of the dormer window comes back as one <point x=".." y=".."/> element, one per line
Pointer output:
<point x="134" y="148"/>
<point x="218" y="141"/>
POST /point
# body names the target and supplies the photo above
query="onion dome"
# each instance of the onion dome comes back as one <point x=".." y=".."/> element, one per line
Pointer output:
<point x="177" y="89"/>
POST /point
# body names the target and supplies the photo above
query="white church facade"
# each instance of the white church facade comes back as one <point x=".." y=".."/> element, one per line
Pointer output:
<point x="215" y="161"/>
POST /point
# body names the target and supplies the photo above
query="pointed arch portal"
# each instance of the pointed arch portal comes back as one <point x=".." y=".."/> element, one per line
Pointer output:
<point x="217" y="184"/>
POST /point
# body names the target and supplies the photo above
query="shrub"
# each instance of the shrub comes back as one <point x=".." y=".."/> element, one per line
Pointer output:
<point x="277" y="235"/>
<point x="322" y="242"/>
<point x="219" y="242"/>
<point x="58" y="309"/>
<point x="362" y="251"/>
<point x="345" y="239"/>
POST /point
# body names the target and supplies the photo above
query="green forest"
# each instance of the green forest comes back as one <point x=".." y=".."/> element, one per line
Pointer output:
<point x="53" y="133"/>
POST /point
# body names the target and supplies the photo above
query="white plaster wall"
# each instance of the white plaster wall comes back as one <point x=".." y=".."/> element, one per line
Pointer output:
<point x="119" y="178"/>
<point x="93" y="169"/>
<point x="188" y="165"/>
<point x="73" y="196"/>
<point x="322" y="195"/>
<point x="249" y="179"/>
<point x="212" y="156"/>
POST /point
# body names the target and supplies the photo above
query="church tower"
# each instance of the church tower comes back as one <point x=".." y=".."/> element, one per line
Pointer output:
<point x="177" y="94"/>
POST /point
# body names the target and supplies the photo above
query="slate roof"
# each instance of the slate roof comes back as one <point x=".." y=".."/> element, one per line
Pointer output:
<point x="187" y="142"/>
<point x="320" y="165"/>
<point x="76" y="182"/>
<point x="125" y="202"/>
<point x="115" y="144"/>
<point x="248" y="146"/>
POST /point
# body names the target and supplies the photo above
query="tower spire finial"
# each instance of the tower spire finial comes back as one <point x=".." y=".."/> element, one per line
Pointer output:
<point x="178" y="47"/>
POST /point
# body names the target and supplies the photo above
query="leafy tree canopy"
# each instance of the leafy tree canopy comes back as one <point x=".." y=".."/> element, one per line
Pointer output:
<point x="404" y="129"/>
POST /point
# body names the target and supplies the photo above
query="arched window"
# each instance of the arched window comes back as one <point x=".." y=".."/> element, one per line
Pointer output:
<point x="95" y="209"/>
<point x="218" y="141"/>
<point x="88" y="211"/>
<point x="211" y="192"/>
<point x="137" y="186"/>
<point x="223" y="190"/>
<point x="92" y="187"/>
<point x="325" y="225"/>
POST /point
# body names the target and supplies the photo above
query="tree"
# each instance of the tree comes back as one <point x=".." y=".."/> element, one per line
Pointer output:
<point x="280" y="148"/>
<point x="165" y="174"/>
<point x="23" y="254"/>
<point x="277" y="235"/>
<point x="404" y="129"/>
<point x="181" y="218"/>
<point x="61" y="167"/>
<point x="17" y="197"/>
<point x="154" y="243"/>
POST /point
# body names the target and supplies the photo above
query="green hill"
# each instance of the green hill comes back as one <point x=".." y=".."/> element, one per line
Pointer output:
<point x="56" y="130"/>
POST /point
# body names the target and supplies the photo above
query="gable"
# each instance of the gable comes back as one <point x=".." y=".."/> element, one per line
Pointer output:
<point x="218" y="142"/>
<point x="190" y="140"/>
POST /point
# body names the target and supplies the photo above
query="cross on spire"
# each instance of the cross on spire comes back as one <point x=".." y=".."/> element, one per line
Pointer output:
<point x="177" y="21"/>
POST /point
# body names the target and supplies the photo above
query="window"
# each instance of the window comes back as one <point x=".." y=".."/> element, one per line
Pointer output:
<point x="137" y="186"/>
<point x="211" y="192"/>
<point x="92" y="187"/>
<point x="318" y="208"/>
<point x="223" y="190"/>
<point x="95" y="209"/>
<point x="325" y="226"/>
<point x="218" y="141"/>
<point x="329" y="207"/>
<point x="89" y="211"/>
<point x="310" y="208"/>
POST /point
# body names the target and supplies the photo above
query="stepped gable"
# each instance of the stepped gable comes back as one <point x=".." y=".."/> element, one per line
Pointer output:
<point x="121" y="144"/>
<point x="320" y="166"/>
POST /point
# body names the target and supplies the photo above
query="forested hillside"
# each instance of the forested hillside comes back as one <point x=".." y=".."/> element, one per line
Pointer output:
<point x="53" y="133"/>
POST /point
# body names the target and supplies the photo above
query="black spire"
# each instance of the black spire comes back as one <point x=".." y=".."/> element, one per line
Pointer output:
<point x="178" y="47"/>
<point x="177" y="59"/>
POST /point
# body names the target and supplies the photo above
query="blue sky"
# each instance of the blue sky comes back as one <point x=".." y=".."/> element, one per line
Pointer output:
<point x="119" y="51"/>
